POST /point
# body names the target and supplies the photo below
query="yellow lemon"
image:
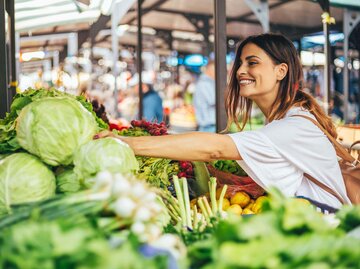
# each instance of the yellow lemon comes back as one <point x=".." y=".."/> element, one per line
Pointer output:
<point x="247" y="211"/>
<point x="241" y="198"/>
<point x="257" y="207"/>
<point x="261" y="199"/>
<point x="250" y="204"/>
<point x="234" y="209"/>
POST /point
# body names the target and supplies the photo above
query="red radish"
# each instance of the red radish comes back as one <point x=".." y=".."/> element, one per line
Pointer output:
<point x="184" y="165"/>
<point x="189" y="171"/>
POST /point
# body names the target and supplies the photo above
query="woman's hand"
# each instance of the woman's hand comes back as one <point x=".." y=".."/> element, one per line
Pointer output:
<point x="105" y="133"/>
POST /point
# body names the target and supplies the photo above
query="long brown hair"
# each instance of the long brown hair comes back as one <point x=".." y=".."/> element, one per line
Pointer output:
<point x="280" y="50"/>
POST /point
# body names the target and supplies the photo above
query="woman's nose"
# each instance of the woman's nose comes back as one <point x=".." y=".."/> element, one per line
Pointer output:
<point x="241" y="70"/>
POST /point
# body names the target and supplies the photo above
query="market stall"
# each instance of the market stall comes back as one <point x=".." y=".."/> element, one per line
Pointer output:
<point x="68" y="201"/>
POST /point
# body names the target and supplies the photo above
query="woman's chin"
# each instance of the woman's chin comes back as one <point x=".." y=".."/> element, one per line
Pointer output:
<point x="245" y="93"/>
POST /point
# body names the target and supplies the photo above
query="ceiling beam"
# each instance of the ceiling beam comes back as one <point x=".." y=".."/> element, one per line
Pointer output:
<point x="147" y="10"/>
<point x="271" y="6"/>
<point x="95" y="28"/>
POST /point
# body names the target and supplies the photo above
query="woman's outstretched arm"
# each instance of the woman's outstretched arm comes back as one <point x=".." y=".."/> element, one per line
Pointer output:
<point x="194" y="146"/>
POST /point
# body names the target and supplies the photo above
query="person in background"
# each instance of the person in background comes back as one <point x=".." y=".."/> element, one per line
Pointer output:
<point x="285" y="152"/>
<point x="152" y="102"/>
<point x="204" y="99"/>
<point x="336" y="105"/>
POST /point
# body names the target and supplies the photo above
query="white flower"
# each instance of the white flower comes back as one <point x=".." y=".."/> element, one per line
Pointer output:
<point x="138" y="228"/>
<point x="138" y="190"/>
<point x="154" y="231"/>
<point x="142" y="214"/>
<point x="103" y="180"/>
<point x="121" y="185"/>
<point x="149" y="197"/>
<point x="124" y="207"/>
<point x="171" y="243"/>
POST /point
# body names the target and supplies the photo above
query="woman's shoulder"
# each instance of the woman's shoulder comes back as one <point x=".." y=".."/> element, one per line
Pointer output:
<point x="291" y="126"/>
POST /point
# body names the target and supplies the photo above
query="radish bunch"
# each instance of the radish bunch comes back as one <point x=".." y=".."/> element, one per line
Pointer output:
<point x="153" y="128"/>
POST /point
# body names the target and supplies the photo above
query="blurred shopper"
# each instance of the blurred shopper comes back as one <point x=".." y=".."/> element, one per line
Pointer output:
<point x="288" y="151"/>
<point x="204" y="99"/>
<point x="336" y="107"/>
<point x="152" y="102"/>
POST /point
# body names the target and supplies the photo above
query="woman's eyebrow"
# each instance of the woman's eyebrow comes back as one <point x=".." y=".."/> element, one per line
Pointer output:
<point x="251" y="56"/>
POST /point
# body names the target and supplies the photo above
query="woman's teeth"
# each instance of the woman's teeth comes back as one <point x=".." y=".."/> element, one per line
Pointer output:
<point x="246" y="82"/>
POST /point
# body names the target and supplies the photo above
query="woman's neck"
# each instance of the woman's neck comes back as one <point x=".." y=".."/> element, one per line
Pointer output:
<point x="265" y="102"/>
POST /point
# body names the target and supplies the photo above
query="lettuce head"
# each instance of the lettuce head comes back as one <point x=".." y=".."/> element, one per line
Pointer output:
<point x="107" y="154"/>
<point x="53" y="128"/>
<point x="24" y="178"/>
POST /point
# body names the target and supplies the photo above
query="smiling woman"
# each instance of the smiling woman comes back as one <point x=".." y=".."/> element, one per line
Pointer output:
<point x="266" y="71"/>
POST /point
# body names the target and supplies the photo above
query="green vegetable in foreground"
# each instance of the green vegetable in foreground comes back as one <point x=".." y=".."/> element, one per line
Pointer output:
<point x="24" y="178"/>
<point x="53" y="129"/>
<point x="8" y="138"/>
<point x="67" y="181"/>
<point x="107" y="154"/>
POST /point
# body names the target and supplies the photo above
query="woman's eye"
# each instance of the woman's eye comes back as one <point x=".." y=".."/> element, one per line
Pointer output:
<point x="252" y="63"/>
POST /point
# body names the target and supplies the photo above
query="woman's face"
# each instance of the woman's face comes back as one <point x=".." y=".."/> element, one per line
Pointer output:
<point x="257" y="75"/>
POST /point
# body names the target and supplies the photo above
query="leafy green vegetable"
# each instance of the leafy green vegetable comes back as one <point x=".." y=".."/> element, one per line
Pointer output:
<point x="107" y="154"/>
<point x="54" y="128"/>
<point x="349" y="217"/>
<point x="288" y="234"/>
<point x="229" y="166"/>
<point x="24" y="178"/>
<point x="8" y="140"/>
<point x="67" y="181"/>
<point x="156" y="171"/>
<point x="60" y="244"/>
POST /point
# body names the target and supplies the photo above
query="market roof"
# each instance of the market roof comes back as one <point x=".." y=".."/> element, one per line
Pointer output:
<point x="37" y="14"/>
<point x="183" y="18"/>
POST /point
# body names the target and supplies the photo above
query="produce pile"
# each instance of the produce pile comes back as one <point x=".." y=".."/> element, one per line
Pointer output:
<point x="229" y="166"/>
<point x="158" y="171"/>
<point x="103" y="227"/>
<point x="47" y="135"/>
<point x="68" y="201"/>
<point x="287" y="234"/>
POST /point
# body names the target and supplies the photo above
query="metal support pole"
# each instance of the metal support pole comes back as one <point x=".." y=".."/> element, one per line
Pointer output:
<point x="139" y="57"/>
<point x="3" y="64"/>
<point x="351" y="19"/>
<point x="17" y="54"/>
<point x="327" y="75"/>
<point x="72" y="48"/>
<point x="13" y="75"/>
<point x="220" y="62"/>
<point x="207" y="47"/>
<point x="118" y="11"/>
<point x="261" y="11"/>
<point x="115" y="55"/>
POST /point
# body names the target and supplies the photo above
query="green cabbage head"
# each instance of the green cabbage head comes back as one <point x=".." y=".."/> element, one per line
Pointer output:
<point x="107" y="154"/>
<point x="53" y="128"/>
<point x="67" y="181"/>
<point x="24" y="178"/>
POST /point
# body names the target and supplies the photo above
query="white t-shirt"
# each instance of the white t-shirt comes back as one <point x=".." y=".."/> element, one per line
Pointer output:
<point x="282" y="151"/>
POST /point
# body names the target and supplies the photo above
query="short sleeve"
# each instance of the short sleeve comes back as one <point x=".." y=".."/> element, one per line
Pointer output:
<point x="265" y="164"/>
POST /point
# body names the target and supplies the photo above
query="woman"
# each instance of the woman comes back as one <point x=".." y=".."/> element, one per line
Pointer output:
<point x="266" y="71"/>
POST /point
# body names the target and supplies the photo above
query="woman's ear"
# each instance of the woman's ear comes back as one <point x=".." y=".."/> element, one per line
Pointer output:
<point x="281" y="71"/>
